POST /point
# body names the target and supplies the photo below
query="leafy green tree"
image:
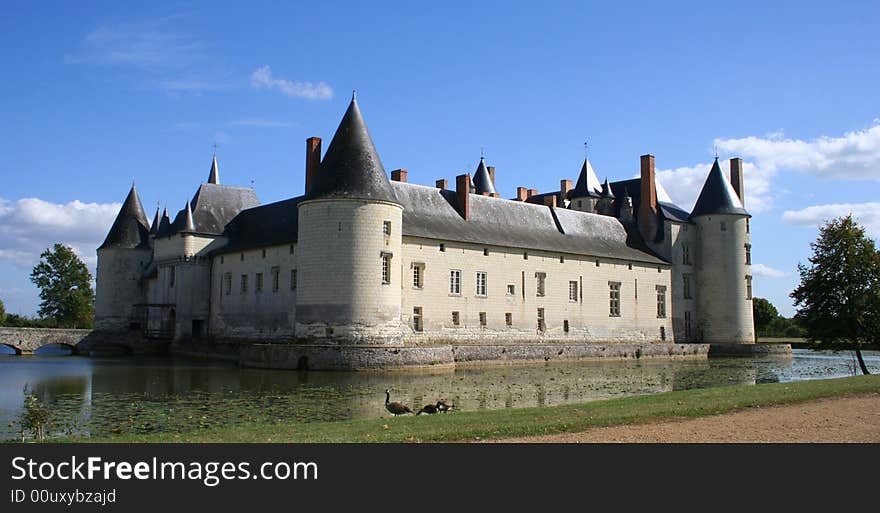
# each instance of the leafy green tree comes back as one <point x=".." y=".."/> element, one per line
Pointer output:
<point x="65" y="288"/>
<point x="2" y="313"/>
<point x="765" y="315"/>
<point x="839" y="293"/>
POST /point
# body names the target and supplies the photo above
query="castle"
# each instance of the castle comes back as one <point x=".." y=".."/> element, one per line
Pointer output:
<point x="361" y="261"/>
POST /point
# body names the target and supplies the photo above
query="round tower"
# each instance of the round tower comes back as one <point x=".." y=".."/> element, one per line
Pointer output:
<point x="121" y="261"/>
<point x="723" y="274"/>
<point x="349" y="245"/>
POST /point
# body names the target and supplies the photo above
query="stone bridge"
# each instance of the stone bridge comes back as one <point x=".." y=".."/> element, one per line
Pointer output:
<point x="28" y="340"/>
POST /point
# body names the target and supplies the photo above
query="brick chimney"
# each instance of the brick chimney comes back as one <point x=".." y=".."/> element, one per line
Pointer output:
<point x="463" y="192"/>
<point x="522" y="194"/>
<point x="564" y="187"/>
<point x="313" y="160"/>
<point x="399" y="175"/>
<point x="491" y="170"/>
<point x="736" y="178"/>
<point x="550" y="200"/>
<point x="533" y="192"/>
<point x="648" y="200"/>
<point x="442" y="184"/>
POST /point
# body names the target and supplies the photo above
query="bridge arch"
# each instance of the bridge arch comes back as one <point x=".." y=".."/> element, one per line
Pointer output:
<point x="50" y="346"/>
<point x="14" y="347"/>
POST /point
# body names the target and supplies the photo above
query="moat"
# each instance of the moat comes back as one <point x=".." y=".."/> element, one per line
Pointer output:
<point x="101" y="396"/>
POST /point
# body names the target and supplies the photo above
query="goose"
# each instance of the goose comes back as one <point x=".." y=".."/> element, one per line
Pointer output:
<point x="429" y="408"/>
<point x="395" y="408"/>
<point x="443" y="406"/>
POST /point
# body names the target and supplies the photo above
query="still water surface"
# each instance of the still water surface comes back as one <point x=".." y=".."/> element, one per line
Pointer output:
<point x="100" y="396"/>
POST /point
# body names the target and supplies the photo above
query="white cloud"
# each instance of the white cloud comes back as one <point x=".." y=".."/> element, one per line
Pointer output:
<point x="142" y="45"/>
<point x="867" y="214"/>
<point x="854" y="155"/>
<point x="30" y="225"/>
<point x="262" y="78"/>
<point x="767" y="272"/>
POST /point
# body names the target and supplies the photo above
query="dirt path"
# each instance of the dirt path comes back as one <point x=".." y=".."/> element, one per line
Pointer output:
<point x="847" y="419"/>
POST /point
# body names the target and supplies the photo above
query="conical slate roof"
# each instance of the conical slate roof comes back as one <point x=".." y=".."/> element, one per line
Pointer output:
<point x="154" y="227"/>
<point x="718" y="196"/>
<point x="164" y="225"/>
<point x="351" y="167"/>
<point x="482" y="180"/>
<point x="606" y="190"/>
<point x="130" y="229"/>
<point x="587" y="183"/>
<point x="183" y="222"/>
<point x="214" y="175"/>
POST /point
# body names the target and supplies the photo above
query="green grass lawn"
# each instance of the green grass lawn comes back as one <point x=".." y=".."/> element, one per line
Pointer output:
<point x="472" y="425"/>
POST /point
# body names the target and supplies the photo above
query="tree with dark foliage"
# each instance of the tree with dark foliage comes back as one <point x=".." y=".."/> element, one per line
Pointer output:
<point x="65" y="288"/>
<point x="839" y="293"/>
<point x="765" y="314"/>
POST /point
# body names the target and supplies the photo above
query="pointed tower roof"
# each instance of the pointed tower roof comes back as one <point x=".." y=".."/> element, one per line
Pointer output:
<point x="718" y="196"/>
<point x="587" y="182"/>
<point x="164" y="225"/>
<point x="154" y="227"/>
<point x="482" y="180"/>
<point x="606" y="190"/>
<point x="183" y="222"/>
<point x="351" y="167"/>
<point x="131" y="228"/>
<point x="214" y="175"/>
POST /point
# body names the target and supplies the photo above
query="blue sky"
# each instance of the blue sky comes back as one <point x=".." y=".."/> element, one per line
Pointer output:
<point x="97" y="94"/>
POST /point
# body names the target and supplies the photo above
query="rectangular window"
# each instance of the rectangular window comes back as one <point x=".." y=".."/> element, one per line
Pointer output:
<point x="455" y="282"/>
<point x="171" y="276"/>
<point x="508" y="319"/>
<point x="482" y="319"/>
<point x="614" y="298"/>
<point x="227" y="283"/>
<point x="386" y="268"/>
<point x="541" y="324"/>
<point x="685" y="254"/>
<point x="541" y="279"/>
<point x="276" y="279"/>
<point x="481" y="284"/>
<point x="264" y="253"/>
<point x="417" y="318"/>
<point x="748" y="254"/>
<point x="259" y="287"/>
<point x="686" y="286"/>
<point x="244" y="285"/>
<point x="572" y="291"/>
<point x="442" y="247"/>
<point x="386" y="228"/>
<point x="748" y="287"/>
<point x="511" y="289"/>
<point x="456" y="319"/>
<point x="565" y="325"/>
<point x="293" y="279"/>
<point x="687" y="325"/>
<point x="747" y="225"/>
<point x="290" y="249"/>
<point x="418" y="271"/>
<point x="661" y="301"/>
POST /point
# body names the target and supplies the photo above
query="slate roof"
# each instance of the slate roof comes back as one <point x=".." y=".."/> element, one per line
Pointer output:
<point x="351" y="167"/>
<point x="164" y="225"/>
<point x="183" y="222"/>
<point x="431" y="213"/>
<point x="131" y="228"/>
<point x="214" y="206"/>
<point x="633" y="187"/>
<point x="482" y="181"/>
<point x="718" y="196"/>
<point x="214" y="174"/>
<point x="154" y="226"/>
<point x="587" y="183"/>
<point x="266" y="225"/>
